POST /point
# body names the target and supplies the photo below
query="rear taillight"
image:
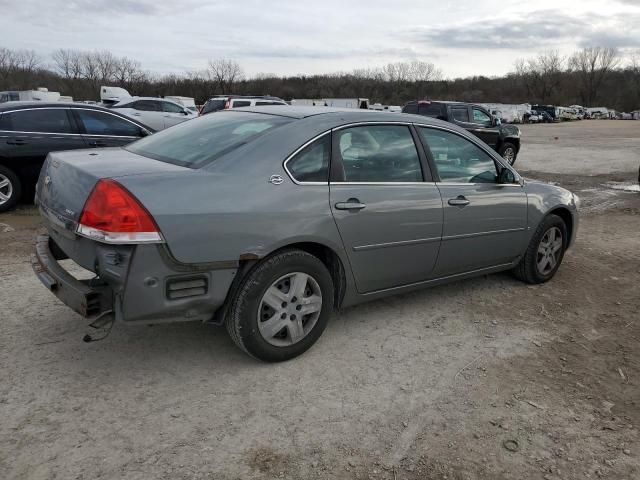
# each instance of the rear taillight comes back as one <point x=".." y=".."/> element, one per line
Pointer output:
<point x="112" y="214"/>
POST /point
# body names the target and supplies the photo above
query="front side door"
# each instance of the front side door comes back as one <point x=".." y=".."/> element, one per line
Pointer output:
<point x="104" y="129"/>
<point x="484" y="221"/>
<point x="389" y="217"/>
<point x="29" y="135"/>
<point x="149" y="112"/>
<point x="173" y="114"/>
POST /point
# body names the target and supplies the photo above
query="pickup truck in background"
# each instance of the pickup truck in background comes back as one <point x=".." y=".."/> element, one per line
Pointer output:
<point x="503" y="138"/>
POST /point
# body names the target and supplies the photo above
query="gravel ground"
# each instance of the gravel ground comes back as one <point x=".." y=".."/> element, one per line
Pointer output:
<point x="482" y="379"/>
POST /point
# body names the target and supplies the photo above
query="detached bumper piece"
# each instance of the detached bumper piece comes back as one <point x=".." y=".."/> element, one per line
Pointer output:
<point x="90" y="298"/>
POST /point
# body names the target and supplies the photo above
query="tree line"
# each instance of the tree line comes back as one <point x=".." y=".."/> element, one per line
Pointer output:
<point x="596" y="76"/>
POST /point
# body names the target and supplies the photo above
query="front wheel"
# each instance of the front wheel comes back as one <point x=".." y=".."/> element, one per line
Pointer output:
<point x="509" y="152"/>
<point x="10" y="189"/>
<point x="545" y="252"/>
<point x="282" y="306"/>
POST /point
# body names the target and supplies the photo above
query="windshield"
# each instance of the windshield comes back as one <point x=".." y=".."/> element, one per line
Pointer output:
<point x="197" y="142"/>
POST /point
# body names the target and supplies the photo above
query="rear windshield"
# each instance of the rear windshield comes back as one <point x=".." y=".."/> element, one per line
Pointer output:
<point x="213" y="106"/>
<point x="197" y="142"/>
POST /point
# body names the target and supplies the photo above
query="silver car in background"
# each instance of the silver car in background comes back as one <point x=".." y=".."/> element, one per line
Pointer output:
<point x="267" y="219"/>
<point x="157" y="113"/>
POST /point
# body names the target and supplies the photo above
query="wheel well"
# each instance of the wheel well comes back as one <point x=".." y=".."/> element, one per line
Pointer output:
<point x="333" y="263"/>
<point x="566" y="217"/>
<point x="514" y="141"/>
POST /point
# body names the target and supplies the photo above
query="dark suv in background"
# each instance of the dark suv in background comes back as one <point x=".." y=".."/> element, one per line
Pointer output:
<point x="504" y="139"/>
<point x="30" y="130"/>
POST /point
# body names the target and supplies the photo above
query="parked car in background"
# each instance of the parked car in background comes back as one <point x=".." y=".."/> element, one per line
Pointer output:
<point x="31" y="130"/>
<point x="223" y="102"/>
<point x="504" y="139"/>
<point x="345" y="207"/>
<point x="157" y="113"/>
<point x="187" y="102"/>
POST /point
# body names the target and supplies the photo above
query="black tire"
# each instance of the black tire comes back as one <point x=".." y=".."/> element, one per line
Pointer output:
<point x="14" y="189"/>
<point x="242" y="318"/>
<point x="527" y="270"/>
<point x="505" y="149"/>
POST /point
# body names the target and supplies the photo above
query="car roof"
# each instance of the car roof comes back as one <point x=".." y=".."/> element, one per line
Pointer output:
<point x="233" y="97"/>
<point x="339" y="116"/>
<point x="37" y="104"/>
<point x="126" y="100"/>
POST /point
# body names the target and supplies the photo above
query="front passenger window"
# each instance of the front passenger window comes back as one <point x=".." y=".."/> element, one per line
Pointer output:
<point x="481" y="117"/>
<point x="457" y="159"/>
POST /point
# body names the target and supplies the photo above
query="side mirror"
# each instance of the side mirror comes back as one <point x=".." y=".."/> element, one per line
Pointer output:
<point x="144" y="132"/>
<point x="496" y="122"/>
<point x="507" y="176"/>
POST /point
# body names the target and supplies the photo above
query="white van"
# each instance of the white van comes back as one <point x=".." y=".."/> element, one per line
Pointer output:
<point x="41" y="94"/>
<point x="362" y="103"/>
<point x="112" y="95"/>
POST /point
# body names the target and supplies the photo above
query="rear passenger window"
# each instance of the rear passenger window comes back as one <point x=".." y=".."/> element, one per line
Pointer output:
<point x="311" y="164"/>
<point x="41" y="120"/>
<point x="101" y="123"/>
<point x="147" y="106"/>
<point x="241" y="103"/>
<point x="460" y="114"/>
<point x="378" y="153"/>
<point x="411" y="108"/>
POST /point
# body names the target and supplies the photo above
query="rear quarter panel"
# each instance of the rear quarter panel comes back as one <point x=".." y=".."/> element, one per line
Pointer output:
<point x="229" y="208"/>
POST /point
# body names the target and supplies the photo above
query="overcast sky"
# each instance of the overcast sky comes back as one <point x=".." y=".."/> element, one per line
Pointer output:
<point x="462" y="37"/>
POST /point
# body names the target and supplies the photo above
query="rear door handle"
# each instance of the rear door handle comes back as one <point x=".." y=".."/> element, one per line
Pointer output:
<point x="136" y="114"/>
<point x="351" y="204"/>
<point x="97" y="143"/>
<point x="17" y="141"/>
<point x="459" y="201"/>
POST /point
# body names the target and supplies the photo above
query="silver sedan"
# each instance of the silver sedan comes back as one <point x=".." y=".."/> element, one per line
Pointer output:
<point x="267" y="219"/>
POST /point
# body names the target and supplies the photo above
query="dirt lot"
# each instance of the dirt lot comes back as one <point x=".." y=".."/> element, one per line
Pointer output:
<point x="483" y="379"/>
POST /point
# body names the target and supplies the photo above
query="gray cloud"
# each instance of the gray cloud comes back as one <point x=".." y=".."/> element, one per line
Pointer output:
<point x="533" y="31"/>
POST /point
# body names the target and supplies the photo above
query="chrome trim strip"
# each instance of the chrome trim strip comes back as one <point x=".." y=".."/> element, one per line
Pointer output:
<point x="298" y="150"/>
<point x="480" y="234"/>
<point x="463" y="184"/>
<point x="388" y="122"/>
<point x="425" y="282"/>
<point x="396" y="244"/>
<point x="21" y="132"/>
<point x="381" y="183"/>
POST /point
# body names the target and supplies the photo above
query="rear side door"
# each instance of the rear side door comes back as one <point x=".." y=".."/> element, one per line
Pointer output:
<point x="104" y="129"/>
<point x="484" y="221"/>
<point x="386" y="208"/>
<point x="28" y="135"/>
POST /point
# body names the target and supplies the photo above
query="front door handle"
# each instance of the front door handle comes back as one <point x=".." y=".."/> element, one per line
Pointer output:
<point x="97" y="143"/>
<point x="459" y="201"/>
<point x="17" y="141"/>
<point x="351" y="204"/>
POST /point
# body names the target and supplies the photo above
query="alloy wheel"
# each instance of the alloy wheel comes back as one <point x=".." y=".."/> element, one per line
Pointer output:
<point x="549" y="251"/>
<point x="289" y="309"/>
<point x="6" y="189"/>
<point x="509" y="155"/>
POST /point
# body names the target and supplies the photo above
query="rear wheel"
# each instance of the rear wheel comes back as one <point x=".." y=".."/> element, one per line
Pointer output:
<point x="10" y="189"/>
<point x="509" y="152"/>
<point x="282" y="307"/>
<point x="544" y="253"/>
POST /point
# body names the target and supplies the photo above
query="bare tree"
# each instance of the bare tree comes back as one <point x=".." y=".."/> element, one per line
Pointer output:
<point x="541" y="74"/>
<point x="68" y="64"/>
<point x="224" y="73"/>
<point x="592" y="66"/>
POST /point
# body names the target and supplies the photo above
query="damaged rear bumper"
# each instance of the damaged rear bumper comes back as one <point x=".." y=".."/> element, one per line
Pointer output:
<point x="90" y="298"/>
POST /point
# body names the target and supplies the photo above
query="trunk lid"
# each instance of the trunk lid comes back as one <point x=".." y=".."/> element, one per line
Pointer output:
<point x="67" y="179"/>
